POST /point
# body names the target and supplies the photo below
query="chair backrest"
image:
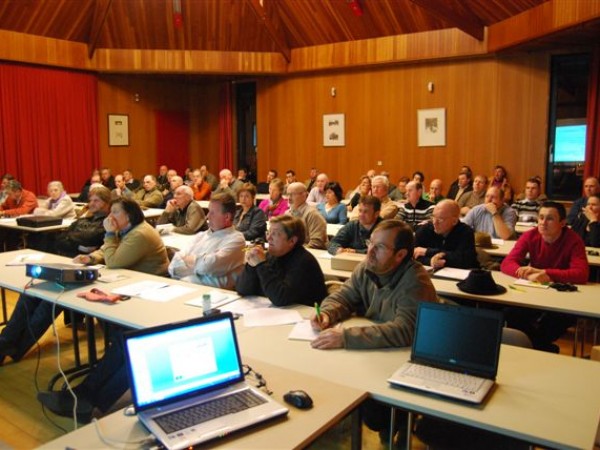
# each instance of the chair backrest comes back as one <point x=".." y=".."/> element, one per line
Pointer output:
<point x="512" y="336"/>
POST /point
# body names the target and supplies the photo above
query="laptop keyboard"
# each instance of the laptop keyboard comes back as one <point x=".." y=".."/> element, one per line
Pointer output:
<point x="198" y="414"/>
<point x="466" y="383"/>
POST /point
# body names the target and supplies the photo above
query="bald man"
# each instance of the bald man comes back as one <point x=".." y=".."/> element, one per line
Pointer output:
<point x="446" y="241"/>
<point x="316" y="227"/>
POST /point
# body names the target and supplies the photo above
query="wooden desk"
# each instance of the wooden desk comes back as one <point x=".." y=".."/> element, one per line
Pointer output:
<point x="332" y="402"/>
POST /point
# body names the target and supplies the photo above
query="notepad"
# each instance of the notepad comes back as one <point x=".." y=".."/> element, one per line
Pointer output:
<point x="303" y="331"/>
<point x="271" y="316"/>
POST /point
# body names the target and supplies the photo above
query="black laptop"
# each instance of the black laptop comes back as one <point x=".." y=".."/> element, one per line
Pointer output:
<point x="455" y="352"/>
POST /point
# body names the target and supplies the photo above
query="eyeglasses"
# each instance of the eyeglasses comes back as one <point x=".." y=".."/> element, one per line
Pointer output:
<point x="378" y="247"/>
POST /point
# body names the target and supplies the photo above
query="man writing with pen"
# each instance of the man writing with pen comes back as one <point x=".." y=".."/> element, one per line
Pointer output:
<point x="386" y="288"/>
<point x="287" y="274"/>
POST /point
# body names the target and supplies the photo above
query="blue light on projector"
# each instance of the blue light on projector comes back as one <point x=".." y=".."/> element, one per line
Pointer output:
<point x="36" y="271"/>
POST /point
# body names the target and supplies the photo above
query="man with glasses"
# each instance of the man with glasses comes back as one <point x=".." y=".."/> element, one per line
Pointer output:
<point x="446" y="241"/>
<point x="352" y="237"/>
<point x="386" y="288"/>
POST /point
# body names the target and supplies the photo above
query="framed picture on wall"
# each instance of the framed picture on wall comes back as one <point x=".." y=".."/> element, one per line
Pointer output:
<point x="118" y="130"/>
<point x="334" y="130"/>
<point x="431" y="127"/>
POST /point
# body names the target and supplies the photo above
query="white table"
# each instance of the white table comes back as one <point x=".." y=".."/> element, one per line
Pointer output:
<point x="543" y="398"/>
<point x="332" y="402"/>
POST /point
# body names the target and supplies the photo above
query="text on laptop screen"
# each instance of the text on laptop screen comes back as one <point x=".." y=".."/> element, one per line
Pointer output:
<point x="198" y="356"/>
<point x="457" y="339"/>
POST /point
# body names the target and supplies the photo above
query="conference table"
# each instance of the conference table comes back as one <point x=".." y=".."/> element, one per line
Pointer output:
<point x="545" y="399"/>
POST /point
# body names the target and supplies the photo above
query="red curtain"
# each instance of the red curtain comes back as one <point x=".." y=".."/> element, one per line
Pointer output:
<point x="172" y="139"/>
<point x="225" y="129"/>
<point x="48" y="126"/>
<point x="592" y="145"/>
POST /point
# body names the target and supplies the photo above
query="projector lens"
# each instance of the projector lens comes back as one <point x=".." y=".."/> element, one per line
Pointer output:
<point x="36" y="271"/>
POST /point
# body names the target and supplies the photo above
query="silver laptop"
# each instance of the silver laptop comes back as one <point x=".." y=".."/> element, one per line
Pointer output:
<point x="187" y="382"/>
<point x="455" y="352"/>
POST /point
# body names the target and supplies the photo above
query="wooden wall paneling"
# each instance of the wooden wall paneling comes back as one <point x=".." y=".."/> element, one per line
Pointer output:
<point x="38" y="50"/>
<point x="496" y="113"/>
<point x="116" y="94"/>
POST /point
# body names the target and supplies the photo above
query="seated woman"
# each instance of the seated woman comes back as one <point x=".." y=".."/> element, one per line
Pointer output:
<point x="129" y="243"/>
<point x="275" y="205"/>
<point x="587" y="224"/>
<point x="364" y="188"/>
<point x="58" y="203"/>
<point x="333" y="210"/>
<point x="250" y="220"/>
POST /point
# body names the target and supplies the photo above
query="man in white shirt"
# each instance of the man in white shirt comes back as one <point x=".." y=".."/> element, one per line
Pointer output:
<point x="215" y="257"/>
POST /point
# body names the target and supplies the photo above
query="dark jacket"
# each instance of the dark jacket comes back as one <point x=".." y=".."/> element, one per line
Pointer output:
<point x="253" y="225"/>
<point x="459" y="245"/>
<point x="294" y="278"/>
<point x="86" y="232"/>
<point x="352" y="235"/>
<point x="592" y="237"/>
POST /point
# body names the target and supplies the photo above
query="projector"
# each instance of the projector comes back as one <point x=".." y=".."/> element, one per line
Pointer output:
<point x="61" y="273"/>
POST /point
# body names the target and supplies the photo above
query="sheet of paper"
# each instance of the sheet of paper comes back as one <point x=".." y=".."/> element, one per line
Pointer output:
<point x="452" y="273"/>
<point x="325" y="255"/>
<point x="217" y="299"/>
<point x="167" y="293"/>
<point x="264" y="317"/>
<point x="111" y="277"/>
<point x="21" y="260"/>
<point x="136" y="289"/>
<point x="523" y="282"/>
<point x="303" y="331"/>
<point x="497" y="241"/>
<point x="241" y="305"/>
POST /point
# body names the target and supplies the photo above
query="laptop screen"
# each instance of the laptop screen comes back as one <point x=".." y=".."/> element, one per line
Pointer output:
<point x="173" y="361"/>
<point x="458" y="338"/>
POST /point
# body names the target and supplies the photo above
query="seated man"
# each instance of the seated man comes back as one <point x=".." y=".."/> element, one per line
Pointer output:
<point x="316" y="227"/>
<point x="462" y="184"/>
<point x="475" y="197"/>
<point x="149" y="195"/>
<point x="493" y="217"/>
<point x="263" y="186"/>
<point x="131" y="183"/>
<point x="556" y="254"/>
<point x="398" y="194"/>
<point x="174" y="182"/>
<point x="416" y="211"/>
<point x="353" y="237"/>
<point x="590" y="186"/>
<point x="386" y="288"/>
<point x="380" y="187"/>
<point x="435" y="192"/>
<point x="183" y="212"/>
<point x="287" y="274"/>
<point x="32" y="316"/>
<point x="446" y="241"/>
<point x="18" y="202"/>
<point x="121" y="190"/>
<point x="228" y="183"/>
<point x="200" y="186"/>
<point x="527" y="208"/>
<point x="317" y="193"/>
<point x="215" y="257"/>
<point x="209" y="177"/>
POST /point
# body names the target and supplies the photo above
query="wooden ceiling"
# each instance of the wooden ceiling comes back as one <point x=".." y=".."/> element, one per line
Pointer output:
<point x="246" y="25"/>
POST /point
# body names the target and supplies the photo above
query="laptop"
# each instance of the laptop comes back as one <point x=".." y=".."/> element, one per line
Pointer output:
<point x="455" y="352"/>
<point x="181" y="374"/>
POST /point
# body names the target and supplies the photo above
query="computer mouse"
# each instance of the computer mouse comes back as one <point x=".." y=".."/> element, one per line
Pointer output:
<point x="299" y="399"/>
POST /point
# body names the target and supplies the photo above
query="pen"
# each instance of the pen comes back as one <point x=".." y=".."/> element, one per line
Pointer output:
<point x="516" y="288"/>
<point x="318" y="310"/>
